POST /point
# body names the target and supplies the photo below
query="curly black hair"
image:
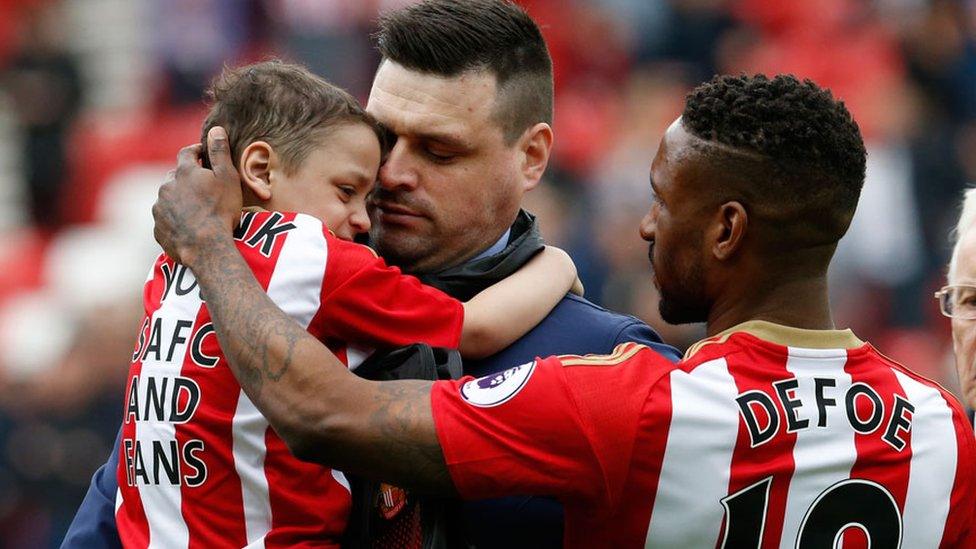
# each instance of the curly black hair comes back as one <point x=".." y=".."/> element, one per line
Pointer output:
<point x="807" y="140"/>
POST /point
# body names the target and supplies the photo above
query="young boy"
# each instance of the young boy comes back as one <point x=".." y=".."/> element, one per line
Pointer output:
<point x="199" y="464"/>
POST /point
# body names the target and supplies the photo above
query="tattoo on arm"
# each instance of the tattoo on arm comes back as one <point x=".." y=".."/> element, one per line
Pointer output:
<point x="405" y="423"/>
<point x="384" y="430"/>
<point x="260" y="338"/>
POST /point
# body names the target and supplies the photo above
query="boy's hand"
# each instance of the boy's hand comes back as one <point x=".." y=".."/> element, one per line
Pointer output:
<point x="197" y="206"/>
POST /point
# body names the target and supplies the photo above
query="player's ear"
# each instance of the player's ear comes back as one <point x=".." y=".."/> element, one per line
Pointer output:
<point x="534" y="147"/>
<point x="728" y="230"/>
<point x="257" y="160"/>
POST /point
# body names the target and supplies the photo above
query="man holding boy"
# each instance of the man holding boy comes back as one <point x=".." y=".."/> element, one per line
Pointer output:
<point x="466" y="88"/>
<point x="777" y="430"/>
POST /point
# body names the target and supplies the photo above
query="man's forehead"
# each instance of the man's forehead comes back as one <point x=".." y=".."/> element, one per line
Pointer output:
<point x="966" y="259"/>
<point x="680" y="150"/>
<point x="680" y="160"/>
<point x="410" y="100"/>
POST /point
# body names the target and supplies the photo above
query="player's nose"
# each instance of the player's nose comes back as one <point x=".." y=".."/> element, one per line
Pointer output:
<point x="647" y="226"/>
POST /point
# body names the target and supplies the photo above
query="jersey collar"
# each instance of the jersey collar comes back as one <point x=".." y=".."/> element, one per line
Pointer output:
<point x="787" y="336"/>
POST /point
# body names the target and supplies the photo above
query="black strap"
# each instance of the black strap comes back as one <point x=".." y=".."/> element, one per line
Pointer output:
<point x="417" y="361"/>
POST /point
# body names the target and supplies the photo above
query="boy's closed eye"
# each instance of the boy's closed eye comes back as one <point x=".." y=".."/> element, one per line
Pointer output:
<point x="347" y="192"/>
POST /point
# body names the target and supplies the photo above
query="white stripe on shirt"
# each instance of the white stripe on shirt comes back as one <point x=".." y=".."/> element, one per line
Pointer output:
<point x="697" y="459"/>
<point x="933" y="468"/>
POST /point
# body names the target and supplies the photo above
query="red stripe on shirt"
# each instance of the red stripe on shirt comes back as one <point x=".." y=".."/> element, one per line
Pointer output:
<point x="131" y="522"/>
<point x="307" y="502"/>
<point x="877" y="461"/>
<point x="959" y="531"/>
<point x="756" y="369"/>
<point x="215" y="509"/>
<point x="634" y="512"/>
<point x="310" y="508"/>
<point x="959" y="528"/>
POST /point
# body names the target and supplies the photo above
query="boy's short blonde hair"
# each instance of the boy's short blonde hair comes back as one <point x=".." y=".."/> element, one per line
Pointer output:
<point x="283" y="104"/>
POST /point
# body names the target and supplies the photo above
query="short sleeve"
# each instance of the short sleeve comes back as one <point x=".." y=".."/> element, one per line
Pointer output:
<point x="366" y="302"/>
<point x="561" y="426"/>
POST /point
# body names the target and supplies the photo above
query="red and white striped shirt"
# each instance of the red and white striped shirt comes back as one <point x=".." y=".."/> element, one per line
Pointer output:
<point x="199" y="465"/>
<point x="764" y="436"/>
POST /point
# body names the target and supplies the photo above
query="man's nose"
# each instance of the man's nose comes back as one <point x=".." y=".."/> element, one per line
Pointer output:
<point x="399" y="171"/>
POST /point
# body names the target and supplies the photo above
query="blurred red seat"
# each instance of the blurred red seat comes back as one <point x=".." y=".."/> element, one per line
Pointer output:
<point x="101" y="146"/>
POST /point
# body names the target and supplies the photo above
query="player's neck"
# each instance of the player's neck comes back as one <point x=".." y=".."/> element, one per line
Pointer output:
<point x="798" y="302"/>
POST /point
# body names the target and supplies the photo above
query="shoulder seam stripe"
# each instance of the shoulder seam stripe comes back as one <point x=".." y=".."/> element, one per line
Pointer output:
<point x="618" y="356"/>
<point x="708" y="341"/>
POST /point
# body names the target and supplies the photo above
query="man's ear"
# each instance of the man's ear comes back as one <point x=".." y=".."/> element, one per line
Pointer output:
<point x="256" y="163"/>
<point x="729" y="230"/>
<point x="535" y="145"/>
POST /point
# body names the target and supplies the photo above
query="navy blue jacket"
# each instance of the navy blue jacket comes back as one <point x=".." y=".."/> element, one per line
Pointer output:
<point x="94" y="523"/>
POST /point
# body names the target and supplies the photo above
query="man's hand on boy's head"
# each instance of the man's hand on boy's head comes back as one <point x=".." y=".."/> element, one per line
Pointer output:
<point x="198" y="207"/>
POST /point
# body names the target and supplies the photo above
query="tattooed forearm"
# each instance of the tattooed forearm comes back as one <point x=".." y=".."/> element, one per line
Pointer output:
<point x="403" y="418"/>
<point x="382" y="429"/>
<point x="263" y="341"/>
<point x="272" y="370"/>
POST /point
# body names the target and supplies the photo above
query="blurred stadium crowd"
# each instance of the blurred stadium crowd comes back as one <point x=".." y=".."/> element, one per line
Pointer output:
<point x="97" y="96"/>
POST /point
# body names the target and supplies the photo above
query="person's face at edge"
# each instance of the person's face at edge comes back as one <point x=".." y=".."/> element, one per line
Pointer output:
<point x="674" y="229"/>
<point x="450" y="186"/>
<point x="964" y="330"/>
<point x="332" y="182"/>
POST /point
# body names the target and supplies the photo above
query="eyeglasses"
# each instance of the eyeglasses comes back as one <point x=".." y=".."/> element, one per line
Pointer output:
<point x="958" y="301"/>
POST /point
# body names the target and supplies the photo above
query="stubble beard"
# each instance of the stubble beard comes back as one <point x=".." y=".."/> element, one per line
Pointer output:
<point x="682" y="297"/>
<point x="400" y="249"/>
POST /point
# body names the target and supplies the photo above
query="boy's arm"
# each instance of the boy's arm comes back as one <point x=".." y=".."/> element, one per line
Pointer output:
<point x="505" y="311"/>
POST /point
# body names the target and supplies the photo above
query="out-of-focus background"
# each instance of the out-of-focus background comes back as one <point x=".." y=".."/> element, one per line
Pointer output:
<point x="97" y="96"/>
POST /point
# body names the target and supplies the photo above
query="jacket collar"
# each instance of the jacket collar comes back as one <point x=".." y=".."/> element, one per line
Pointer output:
<point x="464" y="281"/>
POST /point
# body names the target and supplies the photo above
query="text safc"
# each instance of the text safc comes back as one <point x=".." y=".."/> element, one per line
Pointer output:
<point x="154" y="399"/>
<point x="167" y="399"/>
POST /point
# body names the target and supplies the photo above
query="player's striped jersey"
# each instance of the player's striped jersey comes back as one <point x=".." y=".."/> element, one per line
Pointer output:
<point x="199" y="465"/>
<point x="764" y="436"/>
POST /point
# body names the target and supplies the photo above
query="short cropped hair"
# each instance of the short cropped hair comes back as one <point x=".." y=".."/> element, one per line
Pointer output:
<point x="967" y="220"/>
<point x="283" y="104"/>
<point x="801" y="154"/>
<point x="450" y="37"/>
